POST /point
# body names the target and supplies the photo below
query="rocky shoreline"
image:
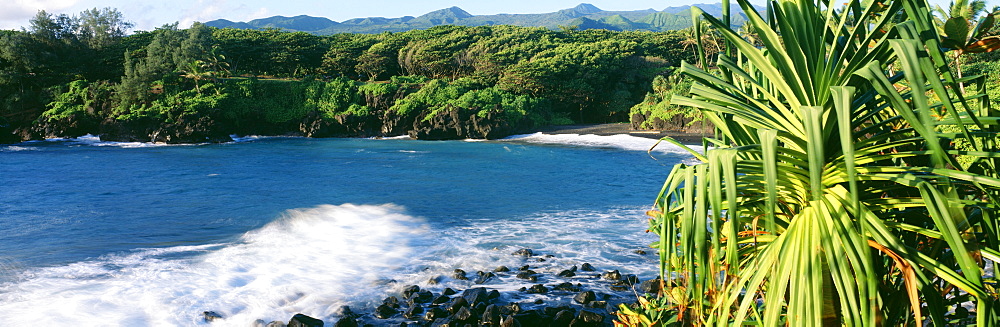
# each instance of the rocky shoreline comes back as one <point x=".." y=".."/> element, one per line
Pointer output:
<point x="201" y="131"/>
<point x="574" y="296"/>
<point x="191" y="128"/>
<point x="188" y="128"/>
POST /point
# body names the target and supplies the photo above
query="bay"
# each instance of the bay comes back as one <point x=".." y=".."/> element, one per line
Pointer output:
<point x="125" y="234"/>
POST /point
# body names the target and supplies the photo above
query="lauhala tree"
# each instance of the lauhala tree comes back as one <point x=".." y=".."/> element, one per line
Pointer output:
<point x="966" y="28"/>
<point x="850" y="182"/>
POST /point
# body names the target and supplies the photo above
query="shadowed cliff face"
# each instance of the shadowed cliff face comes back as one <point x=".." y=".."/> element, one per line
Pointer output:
<point x="450" y="124"/>
<point x="456" y="123"/>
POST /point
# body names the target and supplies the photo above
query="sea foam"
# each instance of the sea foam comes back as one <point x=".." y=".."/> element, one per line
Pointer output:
<point x="313" y="261"/>
<point x="619" y="141"/>
<point x="92" y="140"/>
<point x="310" y="261"/>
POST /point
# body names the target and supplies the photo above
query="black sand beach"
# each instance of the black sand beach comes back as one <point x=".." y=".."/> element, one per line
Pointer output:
<point x="622" y="128"/>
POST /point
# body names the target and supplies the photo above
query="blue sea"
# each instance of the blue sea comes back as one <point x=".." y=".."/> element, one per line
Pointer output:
<point x="135" y="234"/>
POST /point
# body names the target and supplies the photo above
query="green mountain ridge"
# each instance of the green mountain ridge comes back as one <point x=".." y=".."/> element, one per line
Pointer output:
<point x="583" y="16"/>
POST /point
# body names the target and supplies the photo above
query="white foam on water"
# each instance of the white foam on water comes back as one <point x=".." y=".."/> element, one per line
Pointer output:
<point x="91" y="140"/>
<point x="252" y="138"/>
<point x="401" y="137"/>
<point x="618" y="141"/>
<point x="310" y="261"/>
<point x="607" y="240"/>
<point x="315" y="260"/>
<point x="15" y="148"/>
<point x="245" y="138"/>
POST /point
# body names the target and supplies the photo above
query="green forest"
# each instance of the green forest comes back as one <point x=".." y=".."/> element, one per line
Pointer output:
<point x="67" y="76"/>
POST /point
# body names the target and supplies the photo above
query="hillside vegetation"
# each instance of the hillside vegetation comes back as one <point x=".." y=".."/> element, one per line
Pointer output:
<point x="203" y="83"/>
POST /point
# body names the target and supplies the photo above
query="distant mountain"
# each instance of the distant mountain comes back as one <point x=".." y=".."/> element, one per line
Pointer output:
<point x="580" y="10"/>
<point x="714" y="9"/>
<point x="301" y="22"/>
<point x="619" y="22"/>
<point x="449" y="16"/>
<point x="583" y="16"/>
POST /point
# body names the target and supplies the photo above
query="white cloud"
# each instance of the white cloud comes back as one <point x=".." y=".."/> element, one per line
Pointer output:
<point x="142" y="15"/>
<point x="202" y="11"/>
<point x="16" y="13"/>
<point x="260" y="13"/>
<point x="208" y="10"/>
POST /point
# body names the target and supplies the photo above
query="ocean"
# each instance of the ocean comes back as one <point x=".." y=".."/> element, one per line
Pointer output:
<point x="134" y="234"/>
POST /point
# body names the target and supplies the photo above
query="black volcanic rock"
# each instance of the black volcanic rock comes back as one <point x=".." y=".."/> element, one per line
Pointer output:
<point x="187" y="128"/>
<point x="612" y="275"/>
<point x="491" y="315"/>
<point x="588" y="318"/>
<point x="509" y="321"/>
<point x="434" y="313"/>
<point x="385" y="311"/>
<point x="524" y="253"/>
<point x="566" y="273"/>
<point x="346" y="322"/>
<point x="584" y="297"/>
<point x="301" y="320"/>
<point x="409" y="290"/>
<point x="458" y="303"/>
<point x="342" y="125"/>
<point x="463" y="314"/>
<point x="456" y="123"/>
<point x="441" y="299"/>
<point x="211" y="316"/>
<point x="538" y="289"/>
<point x="8" y="134"/>
<point x="414" y="312"/>
<point x="476" y="295"/>
<point x="74" y="125"/>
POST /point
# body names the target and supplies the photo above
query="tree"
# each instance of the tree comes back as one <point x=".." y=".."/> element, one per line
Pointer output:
<point x="51" y="28"/>
<point x="850" y="182"/>
<point x="701" y="39"/>
<point x="961" y="32"/>
<point x="196" y="71"/>
<point x="586" y="80"/>
<point x="380" y="60"/>
<point x="25" y="71"/>
<point x="170" y="52"/>
<point x="344" y="54"/>
<point x="296" y="54"/>
<point x="102" y="27"/>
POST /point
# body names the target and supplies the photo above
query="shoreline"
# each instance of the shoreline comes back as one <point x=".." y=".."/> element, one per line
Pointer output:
<point x="620" y="129"/>
<point x="607" y="129"/>
<point x="550" y="294"/>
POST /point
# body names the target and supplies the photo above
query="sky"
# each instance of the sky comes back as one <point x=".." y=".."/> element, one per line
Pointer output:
<point x="147" y="15"/>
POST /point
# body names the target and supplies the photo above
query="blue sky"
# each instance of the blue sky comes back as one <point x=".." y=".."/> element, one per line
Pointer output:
<point x="149" y="14"/>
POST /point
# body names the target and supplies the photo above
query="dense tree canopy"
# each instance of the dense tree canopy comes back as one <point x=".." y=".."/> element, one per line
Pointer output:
<point x="546" y="76"/>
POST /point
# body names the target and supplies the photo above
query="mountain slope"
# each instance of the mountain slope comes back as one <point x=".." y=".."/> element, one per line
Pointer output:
<point x="583" y="16"/>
